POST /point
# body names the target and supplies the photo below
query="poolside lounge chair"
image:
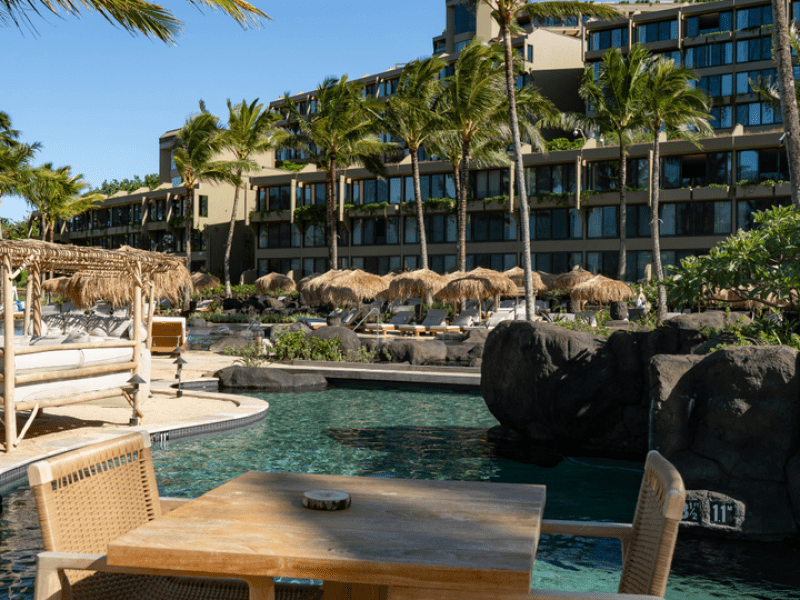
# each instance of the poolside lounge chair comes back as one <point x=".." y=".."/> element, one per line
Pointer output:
<point x="88" y="497"/>
<point x="467" y="319"/>
<point x="435" y="317"/>
<point x="647" y="544"/>
<point x="500" y="315"/>
<point x="401" y="318"/>
<point x="204" y="305"/>
<point x="167" y="333"/>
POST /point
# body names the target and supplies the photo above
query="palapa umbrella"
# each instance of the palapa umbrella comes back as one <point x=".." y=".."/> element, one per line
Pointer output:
<point x="310" y="289"/>
<point x="479" y="284"/>
<point x="601" y="289"/>
<point x="568" y="280"/>
<point x="421" y="283"/>
<point x="56" y="285"/>
<point x="517" y="275"/>
<point x="204" y="281"/>
<point x="275" y="281"/>
<point x="352" y="287"/>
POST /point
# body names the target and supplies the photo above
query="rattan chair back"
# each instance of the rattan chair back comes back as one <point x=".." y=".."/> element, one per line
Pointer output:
<point x="659" y="511"/>
<point x="88" y="497"/>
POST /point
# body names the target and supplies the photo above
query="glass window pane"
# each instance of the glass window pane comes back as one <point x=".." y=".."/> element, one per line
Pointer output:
<point x="671" y="169"/>
<point x="559" y="223"/>
<point x="595" y="222"/>
<point x="722" y="217"/>
<point x="667" y="219"/>
<point x="575" y="224"/>
<point x="754" y="117"/>
<point x="411" y="229"/>
<point x="409" y="185"/>
<point x="382" y="193"/>
<point x="369" y="191"/>
<point x="393" y="230"/>
<point x="495" y="183"/>
<point x="748" y="165"/>
<point x="449" y="185"/>
<point x="437" y="186"/>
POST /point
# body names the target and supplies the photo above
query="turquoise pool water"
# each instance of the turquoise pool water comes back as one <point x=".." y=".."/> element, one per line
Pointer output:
<point x="434" y="435"/>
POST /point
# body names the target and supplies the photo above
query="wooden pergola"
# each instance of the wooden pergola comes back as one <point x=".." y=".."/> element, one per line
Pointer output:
<point x="133" y="271"/>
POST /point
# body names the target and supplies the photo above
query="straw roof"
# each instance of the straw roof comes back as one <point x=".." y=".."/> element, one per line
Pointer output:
<point x="568" y="280"/>
<point x="416" y="284"/>
<point x="352" y="287"/>
<point x="517" y="275"/>
<point x="310" y="290"/>
<point x="601" y="289"/>
<point x="275" y="281"/>
<point x="56" y="285"/>
<point x="204" y="281"/>
<point x="548" y="279"/>
<point x="478" y="283"/>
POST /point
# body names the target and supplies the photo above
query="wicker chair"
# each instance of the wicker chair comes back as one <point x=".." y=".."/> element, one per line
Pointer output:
<point x="87" y="497"/>
<point x="647" y="543"/>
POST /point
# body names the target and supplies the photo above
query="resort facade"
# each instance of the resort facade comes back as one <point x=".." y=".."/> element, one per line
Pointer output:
<point x="707" y="192"/>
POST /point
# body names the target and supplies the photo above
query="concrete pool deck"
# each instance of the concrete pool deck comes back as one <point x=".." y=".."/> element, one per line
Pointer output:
<point x="61" y="429"/>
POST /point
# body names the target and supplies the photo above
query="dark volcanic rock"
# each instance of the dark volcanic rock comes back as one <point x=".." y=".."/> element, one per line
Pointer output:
<point x="416" y="352"/>
<point x="349" y="338"/>
<point x="231" y="304"/>
<point x="268" y="379"/>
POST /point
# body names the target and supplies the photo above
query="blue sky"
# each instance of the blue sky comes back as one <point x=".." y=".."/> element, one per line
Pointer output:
<point x="98" y="99"/>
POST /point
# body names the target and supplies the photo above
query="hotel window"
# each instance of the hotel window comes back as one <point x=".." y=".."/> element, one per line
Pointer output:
<point x="763" y="77"/>
<point x="370" y="187"/>
<point x="314" y="236"/>
<point x="746" y="208"/>
<point x="203" y="206"/>
<point x="280" y="197"/>
<point x="496" y="262"/>
<point x="709" y="55"/>
<point x="556" y="224"/>
<point x="602" y="222"/>
<point x="657" y="32"/>
<point x="314" y="265"/>
<point x="761" y="165"/>
<point x="369" y="90"/>
<point x="695" y="218"/>
<point x="747" y="18"/>
<point x="638" y="221"/>
<point x="716" y="85"/>
<point x="530" y="53"/>
<point x="754" y="49"/>
<point x="442" y="263"/>
<point x="555" y="262"/>
<point x="320" y="192"/>
<point x="376" y="231"/>
<point x="721" y="117"/>
<point x="387" y="88"/>
<point x="635" y="263"/>
<point x="488" y="184"/>
<point x="608" y="38"/>
<point x="751" y="114"/>
<point x="696" y="170"/>
<point x="353" y="192"/>
<point x="603" y="263"/>
<point x="380" y="265"/>
<point x="673" y="55"/>
<point x="439" y="46"/>
<point x="302" y="196"/>
<point x="461" y="45"/>
<point x="395" y="190"/>
<point x="709" y="23"/>
<point x="439" y="229"/>
<point x="465" y="20"/>
<point x="136" y="213"/>
<point x="278" y="235"/>
<point x="491" y="226"/>
<point x="603" y="175"/>
<point x="551" y="179"/>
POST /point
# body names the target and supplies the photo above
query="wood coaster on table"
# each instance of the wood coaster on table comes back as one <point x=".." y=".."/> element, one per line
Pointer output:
<point x="326" y="500"/>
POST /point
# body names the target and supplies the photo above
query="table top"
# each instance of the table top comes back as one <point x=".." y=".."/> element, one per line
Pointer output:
<point x="415" y="533"/>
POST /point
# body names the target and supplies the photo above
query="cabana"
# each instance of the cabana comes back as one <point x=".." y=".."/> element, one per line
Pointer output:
<point x="40" y="376"/>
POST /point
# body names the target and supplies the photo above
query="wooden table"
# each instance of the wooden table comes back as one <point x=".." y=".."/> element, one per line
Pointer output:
<point x="406" y="533"/>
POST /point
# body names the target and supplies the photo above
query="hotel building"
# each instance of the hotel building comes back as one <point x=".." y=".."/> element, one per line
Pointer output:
<point x="707" y="192"/>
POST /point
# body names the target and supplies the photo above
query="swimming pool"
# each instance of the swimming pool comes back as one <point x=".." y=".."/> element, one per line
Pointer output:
<point x="434" y="435"/>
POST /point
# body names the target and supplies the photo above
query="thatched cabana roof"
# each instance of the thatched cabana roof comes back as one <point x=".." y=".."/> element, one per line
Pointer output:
<point x="311" y="288"/>
<point x="568" y="280"/>
<point x="478" y="283"/>
<point x="275" y="281"/>
<point x="56" y="285"/>
<point x="416" y="284"/>
<point x="517" y="275"/>
<point x="601" y="289"/>
<point x="204" y="281"/>
<point x="352" y="287"/>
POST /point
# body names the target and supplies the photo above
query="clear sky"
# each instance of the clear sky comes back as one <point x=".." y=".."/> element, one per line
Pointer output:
<point x="98" y="99"/>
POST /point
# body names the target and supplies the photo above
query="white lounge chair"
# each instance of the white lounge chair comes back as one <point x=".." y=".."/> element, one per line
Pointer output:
<point x="401" y="318"/>
<point x="436" y="317"/>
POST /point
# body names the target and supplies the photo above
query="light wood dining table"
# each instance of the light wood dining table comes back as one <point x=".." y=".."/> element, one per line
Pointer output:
<point x="397" y="533"/>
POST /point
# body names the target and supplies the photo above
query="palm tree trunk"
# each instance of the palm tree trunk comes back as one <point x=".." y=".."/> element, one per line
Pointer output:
<point x="187" y="220"/>
<point x="229" y="241"/>
<point x="655" y="232"/>
<point x="461" y="238"/>
<point x="524" y="210"/>
<point x="623" y="211"/>
<point x="789" y="113"/>
<point x="333" y="258"/>
<point x="423" y="241"/>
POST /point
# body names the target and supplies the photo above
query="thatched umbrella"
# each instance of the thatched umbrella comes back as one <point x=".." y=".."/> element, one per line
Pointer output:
<point x="548" y="279"/>
<point x="310" y="289"/>
<point x="480" y="284"/>
<point x="421" y="283"/>
<point x="568" y="280"/>
<point x="275" y="281"/>
<point x="517" y="275"/>
<point x="57" y="285"/>
<point x="352" y="287"/>
<point x="204" y="281"/>
<point x="86" y="288"/>
<point x="601" y="289"/>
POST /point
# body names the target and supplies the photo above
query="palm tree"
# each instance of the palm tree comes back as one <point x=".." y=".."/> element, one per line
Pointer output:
<point x="789" y="112"/>
<point x="340" y="132"/>
<point x="56" y="194"/>
<point x="197" y="145"/>
<point x="474" y="103"/>
<point x="673" y="105"/>
<point x="616" y="98"/>
<point x="15" y="158"/>
<point x="410" y="115"/>
<point x="251" y="130"/>
<point x="135" y="16"/>
<point x="506" y="13"/>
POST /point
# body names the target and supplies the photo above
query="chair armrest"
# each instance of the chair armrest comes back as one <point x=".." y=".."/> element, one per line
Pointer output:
<point x="168" y="503"/>
<point x="621" y="531"/>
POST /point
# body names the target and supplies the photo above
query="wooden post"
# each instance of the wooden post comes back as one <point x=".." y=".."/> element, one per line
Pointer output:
<point x="8" y="356"/>
<point x="35" y="299"/>
<point x="26" y="322"/>
<point x="150" y="312"/>
<point x="137" y="316"/>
